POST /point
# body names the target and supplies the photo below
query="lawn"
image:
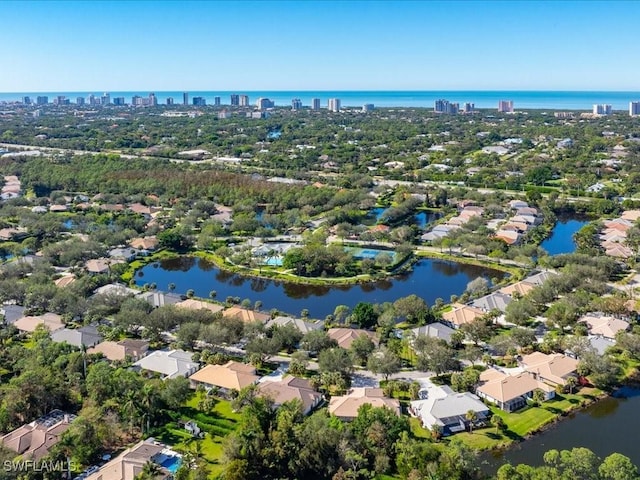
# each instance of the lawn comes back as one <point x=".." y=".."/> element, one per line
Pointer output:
<point x="218" y="423"/>
<point x="526" y="421"/>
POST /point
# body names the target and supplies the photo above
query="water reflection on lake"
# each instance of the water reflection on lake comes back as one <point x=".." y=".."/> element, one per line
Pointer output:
<point x="428" y="278"/>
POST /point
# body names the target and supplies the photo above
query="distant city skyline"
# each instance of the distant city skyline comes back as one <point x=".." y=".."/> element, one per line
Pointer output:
<point x="318" y="45"/>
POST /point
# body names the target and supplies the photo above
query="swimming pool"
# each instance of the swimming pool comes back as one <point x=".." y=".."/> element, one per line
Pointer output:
<point x="172" y="463"/>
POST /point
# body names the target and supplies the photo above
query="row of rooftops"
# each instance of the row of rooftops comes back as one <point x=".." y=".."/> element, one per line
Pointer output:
<point x="614" y="235"/>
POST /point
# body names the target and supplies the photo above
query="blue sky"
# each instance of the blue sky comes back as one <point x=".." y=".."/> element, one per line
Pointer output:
<point x="318" y="45"/>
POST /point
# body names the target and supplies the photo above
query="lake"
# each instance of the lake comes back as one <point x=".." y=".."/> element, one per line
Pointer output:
<point x="429" y="279"/>
<point x="561" y="238"/>
<point x="605" y="427"/>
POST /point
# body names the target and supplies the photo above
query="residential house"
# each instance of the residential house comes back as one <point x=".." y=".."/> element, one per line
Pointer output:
<point x="345" y="336"/>
<point x="119" y="351"/>
<point x="87" y="336"/>
<point x="539" y="278"/>
<point x="517" y="289"/>
<point x="346" y="407"/>
<point x="230" y="376"/>
<point x="434" y="330"/>
<point x="124" y="254"/>
<point x="29" y="324"/>
<point x="34" y="440"/>
<point x="292" y="388"/>
<point x="603" y="325"/>
<point x="10" y="313"/>
<point x="144" y="243"/>
<point x="159" y="299"/>
<point x="301" y="325"/>
<point x="130" y="464"/>
<point x="447" y="410"/>
<point x="246" y="315"/>
<point x="461" y="314"/>
<point x="115" y="289"/>
<point x="194" y="304"/>
<point x="493" y="301"/>
<point x="98" y="265"/>
<point x="510" y="392"/>
<point x="510" y="237"/>
<point x="552" y="369"/>
<point x="64" y="281"/>
<point x="169" y="364"/>
<point x="631" y="215"/>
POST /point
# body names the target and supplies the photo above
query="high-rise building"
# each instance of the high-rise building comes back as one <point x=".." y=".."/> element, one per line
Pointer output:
<point x="42" y="100"/>
<point x="469" y="107"/>
<point x="334" y="104"/>
<point x="26" y="100"/>
<point x="137" y="100"/>
<point x="169" y="100"/>
<point x="264" y="103"/>
<point x="315" y="104"/>
<point x="602" y="109"/>
<point x="119" y="101"/>
<point x="446" y="107"/>
<point x="235" y="100"/>
<point x="244" y="100"/>
<point x="216" y="101"/>
<point x="634" y="109"/>
<point x="368" y="107"/>
<point x="93" y="100"/>
<point x="296" y="104"/>
<point x="199" y="101"/>
<point x="185" y="98"/>
<point x="61" y="100"/>
<point x="106" y="99"/>
<point x="153" y="101"/>
<point x="505" y="106"/>
<point x="80" y="101"/>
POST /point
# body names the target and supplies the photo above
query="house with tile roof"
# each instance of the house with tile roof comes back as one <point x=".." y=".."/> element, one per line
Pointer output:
<point x="493" y="301"/>
<point x="553" y="369"/>
<point x="604" y="325"/>
<point x="303" y="326"/>
<point x="87" y="336"/>
<point x="230" y="376"/>
<point x="129" y="465"/>
<point x="246" y="315"/>
<point x="119" y="351"/>
<point x="195" y="304"/>
<point x="346" y="407"/>
<point x="29" y="323"/>
<point x="168" y="363"/>
<point x="34" y="440"/>
<point x="345" y="336"/>
<point x="291" y="388"/>
<point x="461" y="314"/>
<point x="434" y="330"/>
<point x="510" y="392"/>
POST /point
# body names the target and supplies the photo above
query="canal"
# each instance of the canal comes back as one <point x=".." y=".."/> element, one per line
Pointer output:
<point x="609" y="425"/>
<point x="429" y="279"/>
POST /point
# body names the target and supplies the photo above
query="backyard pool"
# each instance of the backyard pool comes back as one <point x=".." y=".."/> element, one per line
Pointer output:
<point x="171" y="463"/>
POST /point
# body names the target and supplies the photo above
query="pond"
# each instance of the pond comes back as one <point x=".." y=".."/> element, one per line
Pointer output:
<point x="605" y="427"/>
<point x="422" y="219"/>
<point x="430" y="279"/>
<point x="561" y="238"/>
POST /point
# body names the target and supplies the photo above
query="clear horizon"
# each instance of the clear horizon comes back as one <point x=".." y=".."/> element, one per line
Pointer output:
<point x="318" y="46"/>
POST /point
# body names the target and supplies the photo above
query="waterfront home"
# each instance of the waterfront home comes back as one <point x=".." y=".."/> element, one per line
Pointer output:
<point x="246" y="315"/>
<point x="130" y="464"/>
<point x="99" y="265"/>
<point x="119" y="351"/>
<point x="447" y="410"/>
<point x="144" y="243"/>
<point x="124" y="254"/>
<point x="461" y="314"/>
<point x="291" y="388"/>
<point x="345" y="336"/>
<point x="553" y="369"/>
<point x="34" y="440"/>
<point x="301" y="325"/>
<point x="493" y="301"/>
<point x="29" y="323"/>
<point x="160" y="299"/>
<point x="510" y="392"/>
<point x="169" y="364"/>
<point x="434" y="330"/>
<point x="230" y="376"/>
<point x="604" y="325"/>
<point x="346" y="407"/>
<point x="194" y="304"/>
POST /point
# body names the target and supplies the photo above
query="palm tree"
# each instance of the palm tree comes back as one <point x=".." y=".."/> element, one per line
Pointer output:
<point x="571" y="383"/>
<point x="150" y="471"/>
<point x="172" y="287"/>
<point x="471" y="417"/>
<point x="497" y="422"/>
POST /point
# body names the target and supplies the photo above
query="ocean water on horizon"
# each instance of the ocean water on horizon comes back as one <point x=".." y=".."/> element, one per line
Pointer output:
<point x="530" y="99"/>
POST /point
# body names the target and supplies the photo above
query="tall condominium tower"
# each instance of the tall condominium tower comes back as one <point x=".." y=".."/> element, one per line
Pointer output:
<point x="315" y="104"/>
<point x="634" y="109"/>
<point x="505" y="106"/>
<point x="334" y="104"/>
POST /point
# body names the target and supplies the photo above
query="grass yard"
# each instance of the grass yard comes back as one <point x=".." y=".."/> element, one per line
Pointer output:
<point x="418" y="430"/>
<point x="526" y="421"/>
<point x="218" y="423"/>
